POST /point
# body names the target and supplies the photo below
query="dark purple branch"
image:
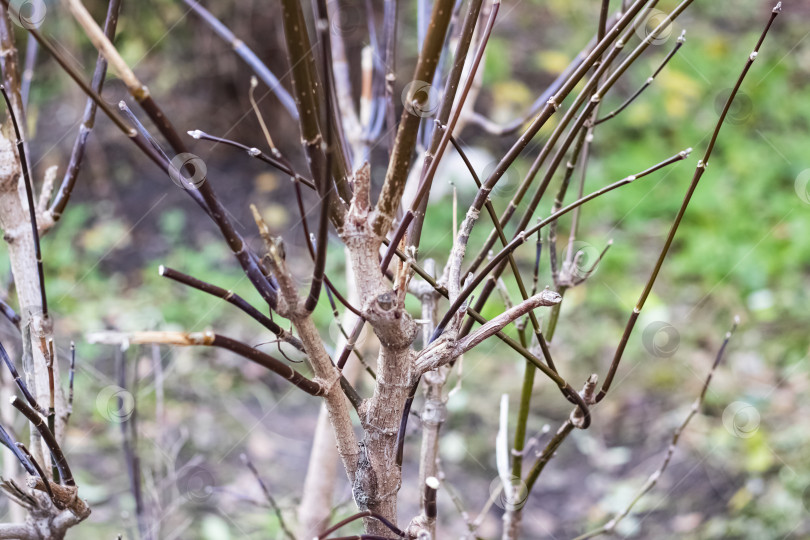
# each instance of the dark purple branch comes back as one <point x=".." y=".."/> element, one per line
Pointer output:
<point x="29" y="194"/>
<point x="50" y="441"/>
<point x="88" y="119"/>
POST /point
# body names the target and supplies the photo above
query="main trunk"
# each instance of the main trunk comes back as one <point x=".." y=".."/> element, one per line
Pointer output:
<point x="378" y="475"/>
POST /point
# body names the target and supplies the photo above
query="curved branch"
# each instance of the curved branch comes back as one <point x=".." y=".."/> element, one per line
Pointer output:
<point x="59" y="459"/>
<point x="234" y="299"/>
<point x="647" y="83"/>
<point x="210" y="339"/>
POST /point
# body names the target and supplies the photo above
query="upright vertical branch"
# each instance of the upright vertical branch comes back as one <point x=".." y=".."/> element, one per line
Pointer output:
<point x="321" y="476"/>
<point x="51" y="416"/>
<point x="390" y="30"/>
<point x="434" y="411"/>
<point x="324" y="183"/>
<point x="129" y="443"/>
<point x="29" y="194"/>
<point x="603" y="16"/>
<point x="416" y="98"/>
<point x="306" y="86"/>
<point x="450" y="88"/>
<point x="18" y="228"/>
<point x="71" y="376"/>
<point x="343" y="87"/>
<point x="88" y="121"/>
<point x="9" y="60"/>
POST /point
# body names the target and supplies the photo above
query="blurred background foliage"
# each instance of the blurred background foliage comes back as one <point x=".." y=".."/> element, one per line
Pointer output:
<point x="743" y="249"/>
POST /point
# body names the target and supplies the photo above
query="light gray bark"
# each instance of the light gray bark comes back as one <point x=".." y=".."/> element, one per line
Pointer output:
<point x="319" y="484"/>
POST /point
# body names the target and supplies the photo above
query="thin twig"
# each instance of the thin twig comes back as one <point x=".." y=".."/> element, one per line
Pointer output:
<point x="129" y="432"/>
<point x="51" y="417"/>
<point x="647" y="83"/>
<point x="603" y="16"/>
<point x="9" y="442"/>
<point x="19" y="382"/>
<point x="50" y="441"/>
<point x="276" y="509"/>
<point x="88" y="120"/>
<point x="276" y="161"/>
<point x="8" y="312"/>
<point x="699" y="171"/>
<point x="610" y="526"/>
<point x="325" y="186"/>
<point x="361" y="515"/>
<point x="71" y="376"/>
<point x="210" y="339"/>
<point x="234" y="299"/>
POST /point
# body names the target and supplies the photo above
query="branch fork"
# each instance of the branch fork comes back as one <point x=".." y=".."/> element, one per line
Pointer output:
<point x="443" y="351"/>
